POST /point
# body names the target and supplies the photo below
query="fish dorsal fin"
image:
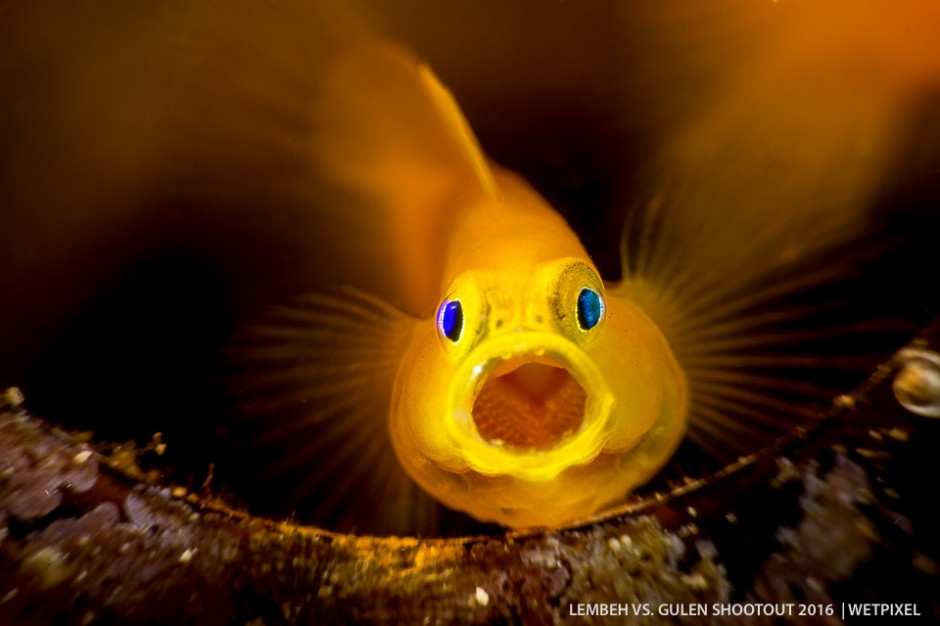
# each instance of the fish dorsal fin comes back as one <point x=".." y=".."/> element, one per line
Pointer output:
<point x="460" y="130"/>
<point x="389" y="133"/>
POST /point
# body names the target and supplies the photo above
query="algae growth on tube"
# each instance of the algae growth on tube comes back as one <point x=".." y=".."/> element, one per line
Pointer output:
<point x="467" y="337"/>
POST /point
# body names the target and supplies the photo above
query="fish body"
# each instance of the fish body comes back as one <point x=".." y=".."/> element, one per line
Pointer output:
<point x="528" y="418"/>
<point x="524" y="412"/>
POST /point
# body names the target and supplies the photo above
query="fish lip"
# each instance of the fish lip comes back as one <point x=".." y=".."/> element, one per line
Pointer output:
<point x="477" y="454"/>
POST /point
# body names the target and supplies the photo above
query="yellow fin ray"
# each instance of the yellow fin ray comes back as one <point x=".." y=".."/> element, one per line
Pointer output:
<point x="756" y="240"/>
<point x="312" y="383"/>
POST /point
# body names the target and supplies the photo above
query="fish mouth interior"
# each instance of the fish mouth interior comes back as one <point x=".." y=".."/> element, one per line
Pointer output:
<point x="529" y="402"/>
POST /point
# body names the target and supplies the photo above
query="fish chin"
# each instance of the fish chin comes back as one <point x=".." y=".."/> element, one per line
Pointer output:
<point x="531" y="428"/>
<point x="527" y="405"/>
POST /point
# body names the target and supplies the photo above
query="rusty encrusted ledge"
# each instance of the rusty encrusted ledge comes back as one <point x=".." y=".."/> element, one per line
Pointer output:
<point x="842" y="513"/>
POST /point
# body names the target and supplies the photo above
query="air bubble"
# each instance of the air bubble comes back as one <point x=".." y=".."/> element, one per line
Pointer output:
<point x="917" y="383"/>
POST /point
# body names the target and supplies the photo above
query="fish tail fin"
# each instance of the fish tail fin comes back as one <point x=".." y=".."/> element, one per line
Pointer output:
<point x="310" y="386"/>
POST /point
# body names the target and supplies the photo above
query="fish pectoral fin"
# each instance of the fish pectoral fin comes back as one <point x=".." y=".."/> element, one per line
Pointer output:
<point x="312" y="384"/>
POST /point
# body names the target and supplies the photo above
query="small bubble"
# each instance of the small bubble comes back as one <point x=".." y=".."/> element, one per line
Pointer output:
<point x="917" y="384"/>
<point x="481" y="597"/>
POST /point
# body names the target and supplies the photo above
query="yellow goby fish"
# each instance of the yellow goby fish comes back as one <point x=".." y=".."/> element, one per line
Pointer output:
<point x="519" y="387"/>
<point x="532" y="395"/>
<point x="535" y="395"/>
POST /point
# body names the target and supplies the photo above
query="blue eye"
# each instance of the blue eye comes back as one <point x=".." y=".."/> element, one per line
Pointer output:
<point x="590" y="309"/>
<point x="450" y="320"/>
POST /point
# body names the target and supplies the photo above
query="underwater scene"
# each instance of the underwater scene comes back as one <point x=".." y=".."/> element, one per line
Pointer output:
<point x="530" y="312"/>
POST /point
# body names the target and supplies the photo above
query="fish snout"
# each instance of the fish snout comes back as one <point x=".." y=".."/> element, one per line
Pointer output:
<point x="502" y="323"/>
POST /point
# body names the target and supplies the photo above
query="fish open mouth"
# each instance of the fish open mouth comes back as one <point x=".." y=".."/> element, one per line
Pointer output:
<point x="529" y="402"/>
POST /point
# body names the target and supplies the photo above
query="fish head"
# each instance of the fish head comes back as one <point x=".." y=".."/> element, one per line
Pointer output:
<point x="533" y="398"/>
